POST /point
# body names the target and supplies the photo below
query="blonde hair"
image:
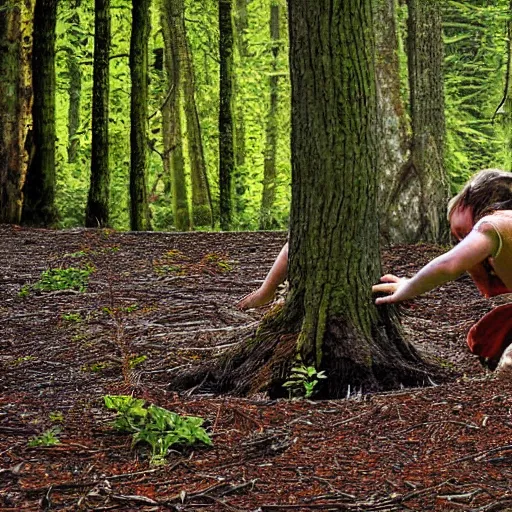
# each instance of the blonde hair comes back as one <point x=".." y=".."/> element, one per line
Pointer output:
<point x="487" y="191"/>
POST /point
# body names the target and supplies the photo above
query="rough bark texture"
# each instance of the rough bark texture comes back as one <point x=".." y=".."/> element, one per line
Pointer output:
<point x="171" y="119"/>
<point x="39" y="188"/>
<point x="75" y="86"/>
<point x="329" y="317"/>
<point x="202" y="214"/>
<point x="226" y="124"/>
<point x="400" y="219"/>
<point x="15" y="104"/>
<point x="97" y="212"/>
<point x="139" y="207"/>
<point x="425" y="175"/>
<point x="269" y="170"/>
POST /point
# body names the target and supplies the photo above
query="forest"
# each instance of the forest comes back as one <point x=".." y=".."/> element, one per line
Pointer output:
<point x="155" y="159"/>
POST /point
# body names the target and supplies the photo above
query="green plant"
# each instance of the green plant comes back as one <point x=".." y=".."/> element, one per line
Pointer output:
<point x="72" y="317"/>
<point x="155" y="426"/>
<point x="64" y="279"/>
<point x="47" y="438"/>
<point x="20" y="360"/>
<point x="56" y="417"/>
<point x="303" y="381"/>
<point x="136" y="360"/>
<point x="24" y="292"/>
<point x="96" y="367"/>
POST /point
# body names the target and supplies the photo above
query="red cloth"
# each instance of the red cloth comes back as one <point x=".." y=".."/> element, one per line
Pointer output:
<point x="492" y="334"/>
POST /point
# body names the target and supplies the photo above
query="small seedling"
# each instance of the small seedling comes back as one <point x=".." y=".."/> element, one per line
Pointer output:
<point x="96" y="367"/>
<point x="47" y="438"/>
<point x="24" y="292"/>
<point x="56" y="417"/>
<point x="136" y="360"/>
<point x="64" y="279"/>
<point x="21" y="360"/>
<point x="303" y="381"/>
<point x="72" y="317"/>
<point x="155" y="426"/>
<point x="218" y="262"/>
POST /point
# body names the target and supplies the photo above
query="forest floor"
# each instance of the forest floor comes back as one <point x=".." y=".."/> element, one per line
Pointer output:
<point x="159" y="301"/>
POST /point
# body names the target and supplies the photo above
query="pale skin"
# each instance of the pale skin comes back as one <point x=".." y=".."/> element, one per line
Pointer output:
<point x="474" y="248"/>
<point x="266" y="292"/>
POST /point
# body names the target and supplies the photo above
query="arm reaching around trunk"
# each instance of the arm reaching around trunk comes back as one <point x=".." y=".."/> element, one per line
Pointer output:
<point x="481" y="243"/>
<point x="265" y="293"/>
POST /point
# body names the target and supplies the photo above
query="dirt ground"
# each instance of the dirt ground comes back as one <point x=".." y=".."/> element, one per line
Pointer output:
<point x="158" y="301"/>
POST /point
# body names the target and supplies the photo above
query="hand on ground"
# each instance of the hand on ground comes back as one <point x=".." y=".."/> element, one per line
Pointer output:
<point x="394" y="286"/>
<point x="256" y="299"/>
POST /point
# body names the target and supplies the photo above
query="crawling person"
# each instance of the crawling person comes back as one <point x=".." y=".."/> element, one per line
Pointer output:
<point x="480" y="219"/>
<point x="266" y="292"/>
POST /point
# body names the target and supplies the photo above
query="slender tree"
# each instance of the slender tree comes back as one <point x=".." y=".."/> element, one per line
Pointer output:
<point x="139" y="207"/>
<point x="329" y="318"/>
<point x="75" y="82"/>
<point x="226" y="124"/>
<point x="39" y="188"/>
<point x="171" y="121"/>
<point x="269" y="169"/>
<point x="426" y="167"/>
<point x="15" y="100"/>
<point x="97" y="211"/>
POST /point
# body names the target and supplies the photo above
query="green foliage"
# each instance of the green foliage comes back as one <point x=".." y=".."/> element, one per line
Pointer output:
<point x="72" y="317"/>
<point x="155" y="426"/>
<point x="61" y="279"/>
<point x="303" y="381"/>
<point x="56" y="417"/>
<point x="47" y="438"/>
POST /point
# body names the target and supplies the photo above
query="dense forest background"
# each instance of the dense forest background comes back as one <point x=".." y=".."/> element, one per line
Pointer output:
<point x="217" y="135"/>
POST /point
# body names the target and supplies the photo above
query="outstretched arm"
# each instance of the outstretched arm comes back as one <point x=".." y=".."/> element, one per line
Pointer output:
<point x="265" y="293"/>
<point x="481" y="243"/>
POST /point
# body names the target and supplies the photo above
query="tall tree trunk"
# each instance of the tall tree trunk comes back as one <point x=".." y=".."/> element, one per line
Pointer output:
<point x="97" y="212"/>
<point x="39" y="188"/>
<point x="75" y="86"/>
<point x="171" y="119"/>
<point x="396" y="198"/>
<point x="426" y="171"/>
<point x="329" y="318"/>
<point x="202" y="214"/>
<point x="226" y="125"/>
<point x="269" y="170"/>
<point x="15" y="104"/>
<point x="139" y="206"/>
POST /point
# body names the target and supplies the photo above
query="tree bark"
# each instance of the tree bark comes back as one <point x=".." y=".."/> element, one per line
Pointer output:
<point x="15" y="104"/>
<point x="269" y="169"/>
<point x="226" y="125"/>
<point x="399" y="220"/>
<point x="426" y="172"/>
<point x="329" y="319"/>
<point x="75" y="86"/>
<point x="139" y="206"/>
<point x="39" y="188"/>
<point x="171" y="119"/>
<point x="97" y="211"/>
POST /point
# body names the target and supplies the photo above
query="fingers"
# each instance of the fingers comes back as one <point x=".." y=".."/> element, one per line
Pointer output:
<point x="390" y="278"/>
<point x="385" y="288"/>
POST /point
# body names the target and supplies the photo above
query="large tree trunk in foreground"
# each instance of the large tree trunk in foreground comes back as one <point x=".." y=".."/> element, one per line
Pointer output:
<point x="15" y="104"/>
<point x="97" y="211"/>
<point x="39" y="188"/>
<point x="330" y="319"/>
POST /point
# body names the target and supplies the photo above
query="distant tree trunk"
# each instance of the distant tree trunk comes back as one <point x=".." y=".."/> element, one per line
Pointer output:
<point x="75" y="86"/>
<point x="39" y="189"/>
<point x="202" y="214"/>
<point x="269" y="170"/>
<point x="139" y="207"/>
<point x="399" y="211"/>
<point x="171" y="119"/>
<point x="226" y="125"/>
<point x="97" y="212"/>
<point x="241" y="25"/>
<point x="15" y="104"/>
<point x="426" y="170"/>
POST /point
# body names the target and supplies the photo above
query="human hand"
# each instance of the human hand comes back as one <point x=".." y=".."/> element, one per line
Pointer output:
<point x="394" y="286"/>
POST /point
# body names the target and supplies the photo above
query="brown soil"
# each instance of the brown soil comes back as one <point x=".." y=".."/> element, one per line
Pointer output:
<point x="446" y="447"/>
